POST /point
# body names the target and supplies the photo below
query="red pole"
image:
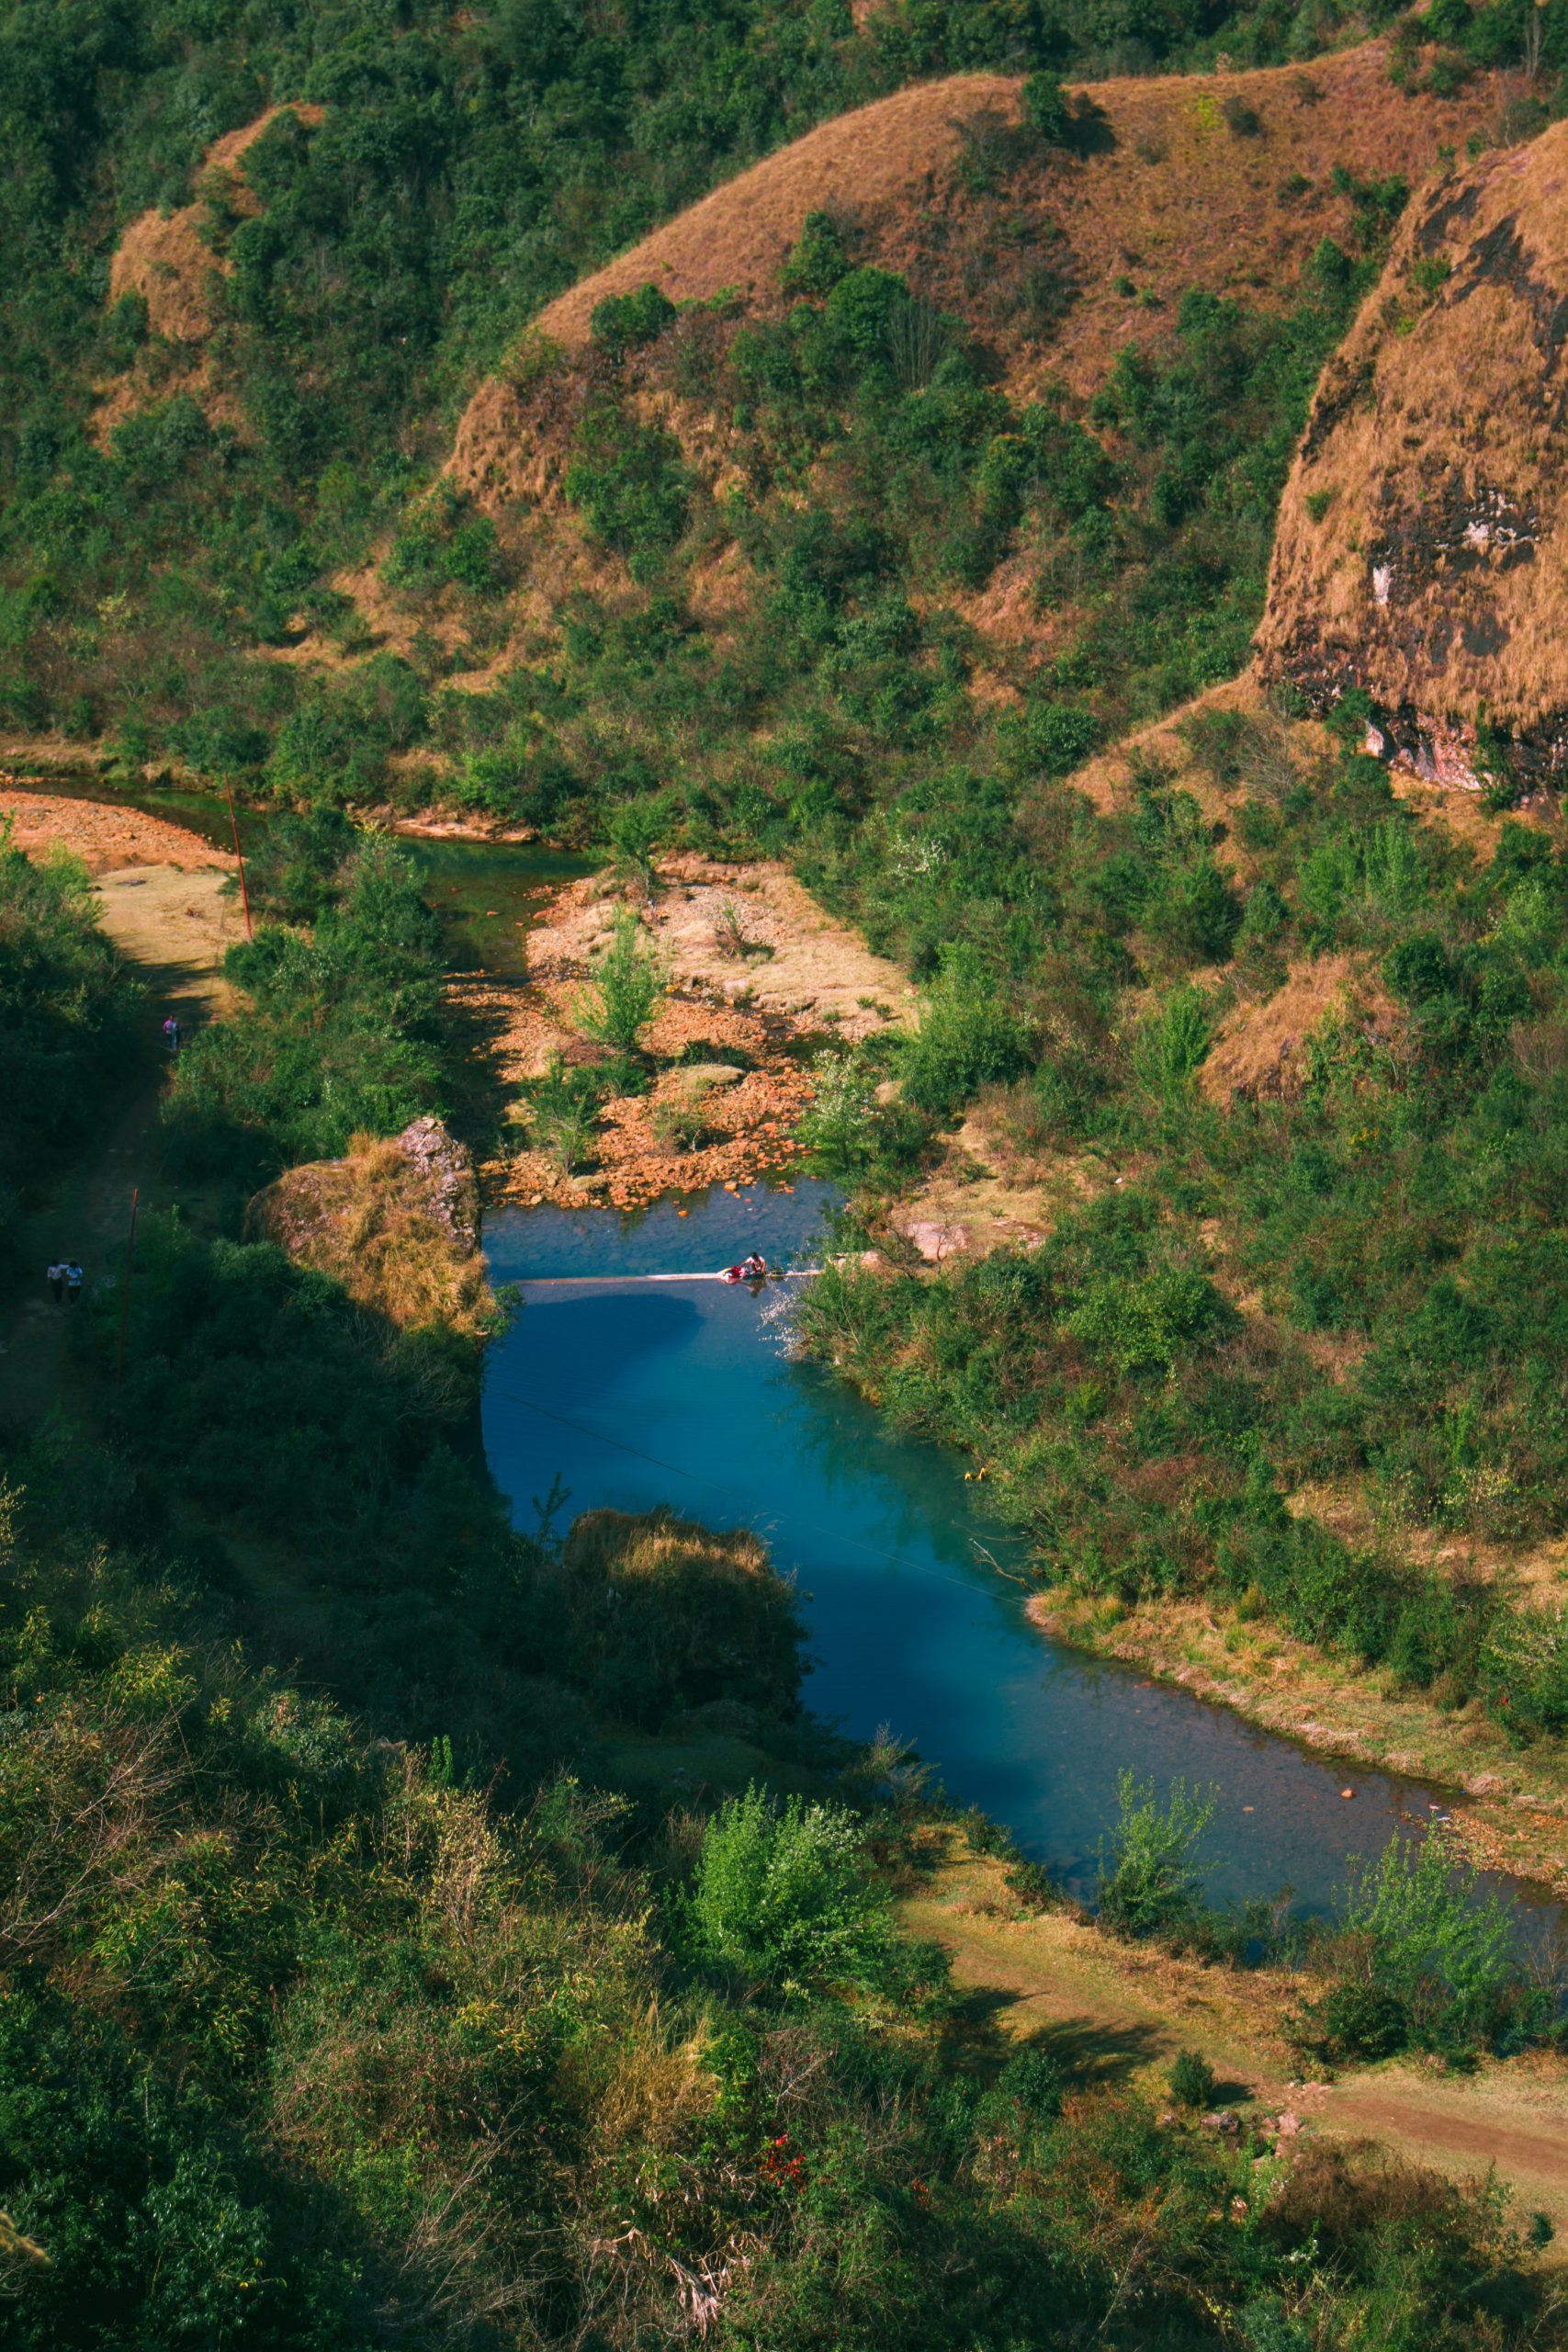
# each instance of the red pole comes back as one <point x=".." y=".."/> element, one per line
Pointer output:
<point x="125" y="1289"/>
<point x="239" y="853"/>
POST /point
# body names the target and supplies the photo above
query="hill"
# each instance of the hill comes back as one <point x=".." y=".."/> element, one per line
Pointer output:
<point x="1421" y="553"/>
<point x="1223" y="180"/>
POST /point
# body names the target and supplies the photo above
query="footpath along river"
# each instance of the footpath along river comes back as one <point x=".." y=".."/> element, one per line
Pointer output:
<point x="636" y="1393"/>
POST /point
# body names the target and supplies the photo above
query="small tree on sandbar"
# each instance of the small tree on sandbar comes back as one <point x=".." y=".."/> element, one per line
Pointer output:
<point x="625" y="991"/>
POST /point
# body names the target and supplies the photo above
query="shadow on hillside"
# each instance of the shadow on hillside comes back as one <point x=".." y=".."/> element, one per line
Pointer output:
<point x="1092" y="2053"/>
<point x="1091" y="132"/>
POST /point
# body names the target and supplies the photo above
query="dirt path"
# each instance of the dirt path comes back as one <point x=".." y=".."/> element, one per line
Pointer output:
<point x="1117" y="2014"/>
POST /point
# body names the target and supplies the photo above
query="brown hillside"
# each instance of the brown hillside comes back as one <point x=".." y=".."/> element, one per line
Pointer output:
<point x="1175" y="196"/>
<point x="1422" y="552"/>
<point x="161" y="257"/>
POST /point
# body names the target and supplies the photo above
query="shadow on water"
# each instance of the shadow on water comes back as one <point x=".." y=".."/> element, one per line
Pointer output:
<point x="636" y="1394"/>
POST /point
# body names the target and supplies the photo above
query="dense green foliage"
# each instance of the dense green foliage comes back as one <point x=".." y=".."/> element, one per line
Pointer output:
<point x="65" y="1015"/>
<point x="344" y="2002"/>
<point x="339" y="1033"/>
<point x="1421" y="1959"/>
<point x="1415" y="1956"/>
<point x="306" y="2041"/>
<point x="313" y="2037"/>
<point x="1395" y="1229"/>
<point x="463" y="170"/>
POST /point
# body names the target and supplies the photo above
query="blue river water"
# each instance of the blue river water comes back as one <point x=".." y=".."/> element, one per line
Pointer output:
<point x="636" y="1393"/>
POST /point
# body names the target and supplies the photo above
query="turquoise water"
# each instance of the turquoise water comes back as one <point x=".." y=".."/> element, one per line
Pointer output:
<point x="636" y="1393"/>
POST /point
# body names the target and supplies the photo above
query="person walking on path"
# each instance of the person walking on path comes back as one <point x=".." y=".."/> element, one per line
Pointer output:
<point x="56" y="1280"/>
<point x="172" y="1033"/>
<point x="73" y="1283"/>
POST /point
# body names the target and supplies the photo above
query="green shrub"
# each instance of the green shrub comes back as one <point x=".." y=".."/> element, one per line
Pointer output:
<point x="632" y="484"/>
<point x="1192" y="2080"/>
<point x="563" y="1112"/>
<point x="817" y="259"/>
<point x="787" y="1894"/>
<point x="1047" y="108"/>
<point x="1152" y="1885"/>
<point x="623" y="322"/>
<point x="625" y="991"/>
<point x="664" y="1617"/>
<point x="840" y="1127"/>
<point x="1142" y="1323"/>
<point x="969" y="1036"/>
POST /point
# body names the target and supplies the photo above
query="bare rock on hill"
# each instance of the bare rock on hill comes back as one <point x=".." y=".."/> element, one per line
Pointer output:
<point x="1422" y="552"/>
<point x="443" y="1167"/>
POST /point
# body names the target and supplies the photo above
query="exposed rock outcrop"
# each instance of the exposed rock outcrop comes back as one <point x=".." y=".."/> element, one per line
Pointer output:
<point x="1422" y="553"/>
<point x="395" y="1222"/>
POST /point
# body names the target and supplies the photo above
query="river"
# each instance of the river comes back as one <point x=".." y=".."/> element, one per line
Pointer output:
<point x="638" y="1393"/>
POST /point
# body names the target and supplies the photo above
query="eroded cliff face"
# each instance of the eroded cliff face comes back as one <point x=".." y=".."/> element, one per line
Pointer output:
<point x="1422" y="552"/>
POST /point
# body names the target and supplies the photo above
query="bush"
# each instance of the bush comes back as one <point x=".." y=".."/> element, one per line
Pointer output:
<point x="1152" y="1885"/>
<point x="1047" y="108"/>
<point x="1421" y="1958"/>
<point x="839" y="1127"/>
<point x="626" y="989"/>
<point x="788" y="1896"/>
<point x="817" y="259"/>
<point x="631" y="481"/>
<point x="623" y="322"/>
<point x="1192" y="2080"/>
<point x="563" y="1110"/>
<point x="1142" y="1323"/>
<point x="969" y="1036"/>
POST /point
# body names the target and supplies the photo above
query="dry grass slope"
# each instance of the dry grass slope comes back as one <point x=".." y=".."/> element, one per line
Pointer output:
<point x="1421" y="551"/>
<point x="1175" y="197"/>
<point x="394" y="1223"/>
<point x="161" y="256"/>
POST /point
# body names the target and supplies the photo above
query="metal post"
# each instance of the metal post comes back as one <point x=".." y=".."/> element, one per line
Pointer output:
<point x="239" y="853"/>
<point x="125" y="1289"/>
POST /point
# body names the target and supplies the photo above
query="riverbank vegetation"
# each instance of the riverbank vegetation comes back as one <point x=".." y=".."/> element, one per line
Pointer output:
<point x="309" y="2040"/>
<point x="66" y="1013"/>
<point x="1414" y="1957"/>
<point x="1336" y="1280"/>
<point x="346" y="1998"/>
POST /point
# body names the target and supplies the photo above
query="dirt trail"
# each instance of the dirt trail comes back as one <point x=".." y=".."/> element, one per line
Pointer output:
<point x="1118" y="2014"/>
